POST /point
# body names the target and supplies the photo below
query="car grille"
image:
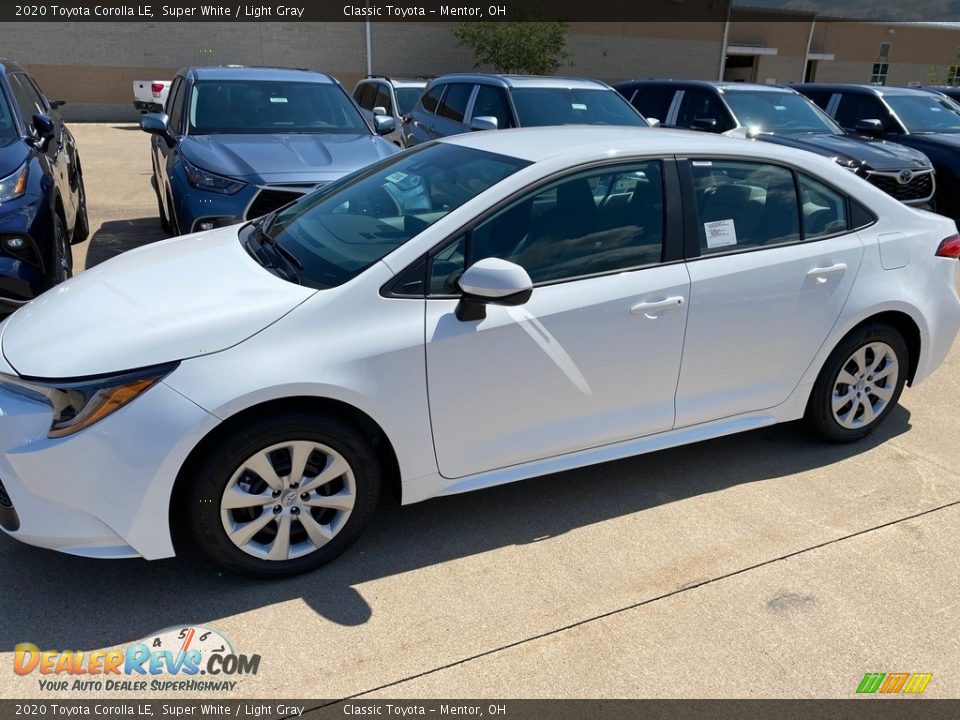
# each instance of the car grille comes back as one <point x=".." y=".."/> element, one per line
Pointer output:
<point x="272" y="198"/>
<point x="918" y="189"/>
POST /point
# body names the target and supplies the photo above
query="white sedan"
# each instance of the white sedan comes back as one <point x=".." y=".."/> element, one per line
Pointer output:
<point x="472" y="312"/>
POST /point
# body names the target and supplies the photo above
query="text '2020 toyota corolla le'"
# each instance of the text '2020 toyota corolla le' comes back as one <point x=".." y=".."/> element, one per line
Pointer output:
<point x="478" y="310"/>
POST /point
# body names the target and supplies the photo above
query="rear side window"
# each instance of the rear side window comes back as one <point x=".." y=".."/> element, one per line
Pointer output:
<point x="431" y="99"/>
<point x="744" y="205"/>
<point x="492" y="102"/>
<point x="824" y="209"/>
<point x="454" y="105"/>
<point x="653" y="102"/>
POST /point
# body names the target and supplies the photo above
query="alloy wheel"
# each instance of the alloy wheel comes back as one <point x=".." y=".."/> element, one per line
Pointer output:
<point x="865" y="385"/>
<point x="288" y="500"/>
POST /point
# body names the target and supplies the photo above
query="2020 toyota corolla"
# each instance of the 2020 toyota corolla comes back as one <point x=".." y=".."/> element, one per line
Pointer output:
<point x="475" y="311"/>
<point x="239" y="142"/>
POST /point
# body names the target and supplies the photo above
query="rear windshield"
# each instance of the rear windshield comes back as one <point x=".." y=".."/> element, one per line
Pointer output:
<point x="407" y="98"/>
<point x="339" y="231"/>
<point x="779" y="112"/>
<point x="537" y="107"/>
<point x="926" y="113"/>
<point x="271" y="106"/>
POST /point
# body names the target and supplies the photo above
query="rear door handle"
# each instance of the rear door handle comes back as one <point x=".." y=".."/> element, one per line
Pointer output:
<point x="822" y="273"/>
<point x="650" y="309"/>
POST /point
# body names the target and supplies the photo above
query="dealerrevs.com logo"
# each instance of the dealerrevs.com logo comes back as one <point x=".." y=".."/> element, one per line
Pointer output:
<point x="188" y="659"/>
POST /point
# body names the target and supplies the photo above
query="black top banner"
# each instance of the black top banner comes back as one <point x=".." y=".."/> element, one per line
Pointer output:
<point x="482" y="11"/>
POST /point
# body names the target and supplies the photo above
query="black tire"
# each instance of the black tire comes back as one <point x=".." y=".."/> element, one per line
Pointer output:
<point x="172" y="227"/>
<point x="61" y="257"/>
<point x="208" y="484"/>
<point x="81" y="227"/>
<point x="820" y="414"/>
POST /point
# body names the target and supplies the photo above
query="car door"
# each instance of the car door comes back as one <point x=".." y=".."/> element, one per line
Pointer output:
<point x="30" y="103"/>
<point x="767" y="284"/>
<point x="424" y="118"/>
<point x="453" y="109"/>
<point x="165" y="153"/>
<point x="593" y="357"/>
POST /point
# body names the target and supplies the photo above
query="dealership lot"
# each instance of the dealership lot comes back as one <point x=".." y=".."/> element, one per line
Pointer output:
<point x="766" y="564"/>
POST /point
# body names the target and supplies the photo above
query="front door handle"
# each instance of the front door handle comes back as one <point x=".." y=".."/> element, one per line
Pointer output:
<point x="820" y="274"/>
<point x="650" y="309"/>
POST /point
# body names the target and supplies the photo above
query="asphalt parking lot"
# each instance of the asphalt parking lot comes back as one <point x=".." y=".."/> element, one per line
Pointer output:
<point x="762" y="565"/>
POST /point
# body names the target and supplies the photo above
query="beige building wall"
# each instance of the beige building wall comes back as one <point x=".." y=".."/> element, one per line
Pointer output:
<point x="93" y="65"/>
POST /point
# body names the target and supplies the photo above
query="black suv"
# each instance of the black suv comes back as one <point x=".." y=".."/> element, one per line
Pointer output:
<point x="778" y="114"/>
<point x="42" y="204"/>
<point x="925" y="120"/>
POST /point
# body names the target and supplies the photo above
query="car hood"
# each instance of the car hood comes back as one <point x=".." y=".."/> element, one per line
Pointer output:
<point x="874" y="154"/>
<point x="12" y="154"/>
<point x="301" y="156"/>
<point x="176" y="299"/>
<point x="933" y="140"/>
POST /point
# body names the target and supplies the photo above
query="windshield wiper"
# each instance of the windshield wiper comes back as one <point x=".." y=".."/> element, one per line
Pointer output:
<point x="292" y="266"/>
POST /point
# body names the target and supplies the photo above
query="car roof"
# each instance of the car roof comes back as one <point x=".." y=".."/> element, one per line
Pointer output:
<point x="879" y="90"/>
<point x="7" y="65"/>
<point x="586" y="142"/>
<point x="247" y="72"/>
<point x="514" y="81"/>
<point x="396" y="81"/>
<point x="707" y="84"/>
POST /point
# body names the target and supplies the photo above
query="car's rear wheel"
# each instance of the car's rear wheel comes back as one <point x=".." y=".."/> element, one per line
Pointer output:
<point x="860" y="384"/>
<point x="284" y="495"/>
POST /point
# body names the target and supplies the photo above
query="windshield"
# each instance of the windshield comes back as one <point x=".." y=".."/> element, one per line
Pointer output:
<point x="339" y="231"/>
<point x="926" y="113"/>
<point x="564" y="106"/>
<point x="779" y="112"/>
<point x="407" y="98"/>
<point x="271" y="106"/>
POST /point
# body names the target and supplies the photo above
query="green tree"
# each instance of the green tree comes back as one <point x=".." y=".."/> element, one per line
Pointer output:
<point x="535" y="48"/>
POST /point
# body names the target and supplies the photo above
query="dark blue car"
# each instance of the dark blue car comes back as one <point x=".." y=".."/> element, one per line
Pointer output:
<point x="239" y="142"/>
<point x="42" y="204"/>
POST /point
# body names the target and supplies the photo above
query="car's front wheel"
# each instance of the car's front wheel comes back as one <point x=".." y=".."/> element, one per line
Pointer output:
<point x="860" y="384"/>
<point x="284" y="495"/>
<point x="61" y="265"/>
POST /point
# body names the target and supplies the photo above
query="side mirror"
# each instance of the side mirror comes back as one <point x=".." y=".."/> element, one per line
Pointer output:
<point x="871" y="127"/>
<point x="704" y="124"/>
<point x="384" y="125"/>
<point x="45" y="129"/>
<point x="492" y="281"/>
<point x="156" y="124"/>
<point x="54" y="104"/>
<point x="653" y="122"/>
<point x="379" y="110"/>
<point x="484" y="122"/>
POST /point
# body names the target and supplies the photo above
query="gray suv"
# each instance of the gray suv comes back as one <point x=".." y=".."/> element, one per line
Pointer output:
<point x="454" y="104"/>
<point x="393" y="97"/>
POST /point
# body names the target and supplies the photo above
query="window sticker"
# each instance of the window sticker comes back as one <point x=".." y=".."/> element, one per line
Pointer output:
<point x="720" y="233"/>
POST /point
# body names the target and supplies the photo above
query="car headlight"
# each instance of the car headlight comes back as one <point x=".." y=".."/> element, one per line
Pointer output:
<point x="206" y="180"/>
<point x="15" y="184"/>
<point x="79" y="404"/>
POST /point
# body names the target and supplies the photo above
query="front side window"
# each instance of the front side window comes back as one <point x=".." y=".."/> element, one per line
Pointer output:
<point x="595" y="222"/>
<point x="537" y="107"/>
<point x="406" y="99"/>
<point x="854" y="107"/>
<point x="342" y="229"/>
<point x="654" y="102"/>
<point x="926" y="113"/>
<point x="8" y="126"/>
<point x="744" y="205"/>
<point x="702" y="104"/>
<point x="24" y="96"/>
<point x="779" y="112"/>
<point x="271" y="106"/>
<point x="492" y="102"/>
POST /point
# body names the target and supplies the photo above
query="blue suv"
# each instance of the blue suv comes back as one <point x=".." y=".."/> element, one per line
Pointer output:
<point x="43" y="208"/>
<point x="239" y="142"/>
